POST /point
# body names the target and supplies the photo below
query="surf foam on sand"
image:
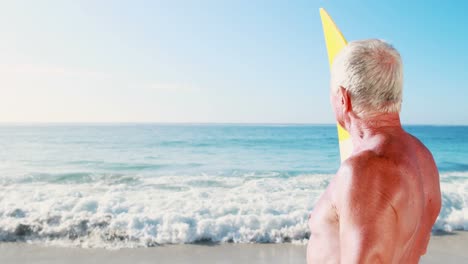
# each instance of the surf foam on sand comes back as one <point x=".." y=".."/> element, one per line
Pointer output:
<point x="119" y="212"/>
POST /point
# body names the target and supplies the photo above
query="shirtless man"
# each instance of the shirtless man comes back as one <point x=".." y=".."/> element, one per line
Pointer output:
<point x="381" y="205"/>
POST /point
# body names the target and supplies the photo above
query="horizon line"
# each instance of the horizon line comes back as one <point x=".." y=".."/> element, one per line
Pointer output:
<point x="193" y="123"/>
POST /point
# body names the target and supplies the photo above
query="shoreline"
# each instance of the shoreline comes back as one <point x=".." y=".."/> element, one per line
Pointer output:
<point x="443" y="248"/>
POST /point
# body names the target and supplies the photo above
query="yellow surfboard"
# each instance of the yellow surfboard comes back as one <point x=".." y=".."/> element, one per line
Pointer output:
<point x="335" y="43"/>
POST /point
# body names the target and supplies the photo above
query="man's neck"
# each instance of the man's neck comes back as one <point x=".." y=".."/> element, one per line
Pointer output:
<point x="361" y="129"/>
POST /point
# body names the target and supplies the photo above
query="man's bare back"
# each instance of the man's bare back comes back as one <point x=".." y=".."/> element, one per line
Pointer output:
<point x="381" y="205"/>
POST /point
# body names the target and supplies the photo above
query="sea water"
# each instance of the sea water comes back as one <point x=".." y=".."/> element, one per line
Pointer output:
<point x="129" y="185"/>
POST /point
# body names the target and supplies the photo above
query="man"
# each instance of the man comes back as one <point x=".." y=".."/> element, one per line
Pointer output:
<point x="381" y="205"/>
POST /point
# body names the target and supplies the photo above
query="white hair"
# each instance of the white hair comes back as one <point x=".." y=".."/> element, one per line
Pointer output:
<point x="372" y="72"/>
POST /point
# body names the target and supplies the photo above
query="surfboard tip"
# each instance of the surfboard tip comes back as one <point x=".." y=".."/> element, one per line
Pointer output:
<point x="322" y="11"/>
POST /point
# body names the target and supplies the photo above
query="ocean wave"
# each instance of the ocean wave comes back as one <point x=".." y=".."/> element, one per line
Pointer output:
<point x="454" y="212"/>
<point x="182" y="209"/>
<point x="161" y="210"/>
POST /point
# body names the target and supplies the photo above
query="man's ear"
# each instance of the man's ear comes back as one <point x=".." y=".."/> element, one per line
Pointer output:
<point x="345" y="99"/>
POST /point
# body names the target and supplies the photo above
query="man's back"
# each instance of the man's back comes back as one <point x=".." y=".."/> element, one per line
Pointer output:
<point x="420" y="175"/>
<point x="385" y="197"/>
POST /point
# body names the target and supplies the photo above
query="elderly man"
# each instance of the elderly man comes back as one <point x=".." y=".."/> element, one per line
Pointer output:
<point x="382" y="203"/>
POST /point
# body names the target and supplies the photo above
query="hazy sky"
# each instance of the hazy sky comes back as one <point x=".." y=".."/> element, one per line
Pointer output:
<point x="217" y="61"/>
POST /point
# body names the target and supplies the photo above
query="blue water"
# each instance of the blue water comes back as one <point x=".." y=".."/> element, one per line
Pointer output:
<point x="146" y="184"/>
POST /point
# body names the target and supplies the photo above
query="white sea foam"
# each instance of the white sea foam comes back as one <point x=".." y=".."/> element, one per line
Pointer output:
<point x="454" y="213"/>
<point x="161" y="210"/>
<point x="182" y="209"/>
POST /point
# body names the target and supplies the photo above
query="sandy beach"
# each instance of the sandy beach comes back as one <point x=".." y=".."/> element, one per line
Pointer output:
<point x="446" y="248"/>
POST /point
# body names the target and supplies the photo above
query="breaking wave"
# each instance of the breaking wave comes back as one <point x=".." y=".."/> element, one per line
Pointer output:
<point x="115" y="211"/>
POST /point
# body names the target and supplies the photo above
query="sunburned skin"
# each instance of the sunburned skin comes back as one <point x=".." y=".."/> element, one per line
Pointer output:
<point x="382" y="203"/>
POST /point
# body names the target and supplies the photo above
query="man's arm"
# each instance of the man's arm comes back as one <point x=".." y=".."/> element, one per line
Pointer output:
<point x="367" y="219"/>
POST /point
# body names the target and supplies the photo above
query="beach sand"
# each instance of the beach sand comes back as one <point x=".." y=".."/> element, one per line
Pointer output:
<point x="444" y="248"/>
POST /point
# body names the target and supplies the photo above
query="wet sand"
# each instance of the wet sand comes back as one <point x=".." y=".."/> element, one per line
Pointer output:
<point x="444" y="248"/>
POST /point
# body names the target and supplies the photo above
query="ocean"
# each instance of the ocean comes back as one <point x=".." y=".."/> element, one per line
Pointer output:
<point x="133" y="185"/>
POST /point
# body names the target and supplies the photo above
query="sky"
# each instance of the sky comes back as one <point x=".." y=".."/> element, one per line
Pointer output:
<point x="217" y="61"/>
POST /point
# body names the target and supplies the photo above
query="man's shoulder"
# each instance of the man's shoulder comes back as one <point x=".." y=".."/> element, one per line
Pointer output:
<point x="370" y="186"/>
<point x="367" y="163"/>
<point x="422" y="150"/>
<point x="367" y="173"/>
